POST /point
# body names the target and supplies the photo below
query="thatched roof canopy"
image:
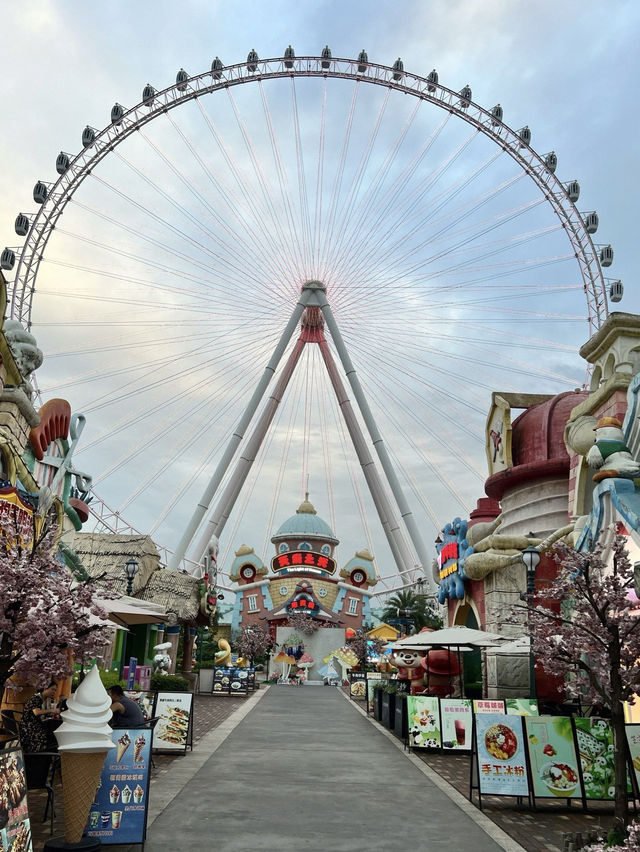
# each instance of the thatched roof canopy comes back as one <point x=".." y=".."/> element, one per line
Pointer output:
<point x="104" y="556"/>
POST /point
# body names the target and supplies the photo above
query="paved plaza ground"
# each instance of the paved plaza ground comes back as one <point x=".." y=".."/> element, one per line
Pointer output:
<point x="291" y="768"/>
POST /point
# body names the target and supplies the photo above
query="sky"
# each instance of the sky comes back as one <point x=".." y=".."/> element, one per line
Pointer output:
<point x="123" y="299"/>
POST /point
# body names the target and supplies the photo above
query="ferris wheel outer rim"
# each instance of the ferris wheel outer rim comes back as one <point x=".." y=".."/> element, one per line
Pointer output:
<point x="43" y="223"/>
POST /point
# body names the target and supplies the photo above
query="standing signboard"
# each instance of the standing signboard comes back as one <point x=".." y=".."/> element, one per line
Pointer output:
<point x="251" y="680"/>
<point x="239" y="681"/>
<point x="457" y="723"/>
<point x="222" y="680"/>
<point x="522" y="707"/>
<point x="501" y="755"/>
<point x="15" y="828"/>
<point x="358" y="685"/>
<point x="424" y="721"/>
<point x="119" y="813"/>
<point x="173" y="731"/>
<point x="552" y="757"/>
<point x="595" y="745"/>
<point x="372" y="679"/>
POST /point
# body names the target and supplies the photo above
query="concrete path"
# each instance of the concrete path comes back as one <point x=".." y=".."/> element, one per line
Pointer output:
<point x="304" y="769"/>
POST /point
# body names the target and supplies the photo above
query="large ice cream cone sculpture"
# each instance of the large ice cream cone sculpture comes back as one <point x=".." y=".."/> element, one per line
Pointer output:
<point x="84" y="738"/>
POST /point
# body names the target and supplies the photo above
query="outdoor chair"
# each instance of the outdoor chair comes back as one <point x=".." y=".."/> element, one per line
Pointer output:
<point x="10" y="723"/>
<point x="40" y="769"/>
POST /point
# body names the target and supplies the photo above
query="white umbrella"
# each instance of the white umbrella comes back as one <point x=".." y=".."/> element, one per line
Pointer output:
<point x="123" y="611"/>
<point x="517" y="646"/>
<point x="463" y="638"/>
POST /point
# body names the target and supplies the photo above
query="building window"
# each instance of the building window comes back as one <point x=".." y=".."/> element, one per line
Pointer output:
<point x="283" y="590"/>
<point x="353" y="606"/>
<point x="304" y="545"/>
<point x="253" y="603"/>
<point x="282" y="548"/>
<point x="326" y="549"/>
<point x="322" y="592"/>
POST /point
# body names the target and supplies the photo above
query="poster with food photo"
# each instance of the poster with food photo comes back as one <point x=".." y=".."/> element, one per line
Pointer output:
<point x="173" y="728"/>
<point x="552" y="757"/>
<point x="15" y="832"/>
<point x="457" y="723"/>
<point x="424" y="721"/>
<point x="501" y="755"/>
<point x="118" y="814"/>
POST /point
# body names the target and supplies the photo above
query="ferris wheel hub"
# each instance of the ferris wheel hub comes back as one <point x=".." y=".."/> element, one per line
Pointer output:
<point x="313" y="285"/>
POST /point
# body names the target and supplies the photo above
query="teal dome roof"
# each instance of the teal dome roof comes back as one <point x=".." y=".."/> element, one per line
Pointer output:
<point x="305" y="524"/>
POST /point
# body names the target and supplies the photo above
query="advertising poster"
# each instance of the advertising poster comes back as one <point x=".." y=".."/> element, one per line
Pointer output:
<point x="424" y="721"/>
<point x="633" y="740"/>
<point x="357" y="685"/>
<point x="457" y="723"/>
<point x="239" y="681"/>
<point x="552" y="757"/>
<point x="144" y="700"/>
<point x="15" y="831"/>
<point x="173" y="710"/>
<point x="372" y="679"/>
<point x="251" y="680"/>
<point x="522" y="707"/>
<point x="221" y="679"/>
<point x="502" y="760"/>
<point x="119" y="813"/>
<point x="595" y="746"/>
<point x="488" y="705"/>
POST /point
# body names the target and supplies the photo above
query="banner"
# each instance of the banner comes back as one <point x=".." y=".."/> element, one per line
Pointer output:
<point x="424" y="721"/>
<point x="15" y="828"/>
<point x="119" y="813"/>
<point x="522" y="707"/>
<point x="552" y="757"/>
<point x="502" y="761"/>
<point x="457" y="723"/>
<point x="488" y="705"/>
<point x="173" y="710"/>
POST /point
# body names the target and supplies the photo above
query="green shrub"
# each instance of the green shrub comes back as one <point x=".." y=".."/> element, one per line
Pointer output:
<point x="169" y="683"/>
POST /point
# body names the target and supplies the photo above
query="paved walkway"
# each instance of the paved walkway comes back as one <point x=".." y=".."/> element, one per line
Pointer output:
<point x="305" y="770"/>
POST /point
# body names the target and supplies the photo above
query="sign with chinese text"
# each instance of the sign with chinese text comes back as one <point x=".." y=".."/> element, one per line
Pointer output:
<point x="488" y="705"/>
<point x="118" y="814"/>
<point x="172" y="730"/>
<point x="552" y="757"/>
<point x="303" y="559"/>
<point x="15" y="828"/>
<point x="501" y="755"/>
<point x="457" y="723"/>
<point x="522" y="707"/>
<point x="424" y="721"/>
<point x="358" y="685"/>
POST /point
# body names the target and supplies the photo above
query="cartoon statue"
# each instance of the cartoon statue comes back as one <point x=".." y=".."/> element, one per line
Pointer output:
<point x="162" y="660"/>
<point x="408" y="664"/>
<point x="610" y="454"/>
<point x="209" y="595"/>
<point x="223" y="656"/>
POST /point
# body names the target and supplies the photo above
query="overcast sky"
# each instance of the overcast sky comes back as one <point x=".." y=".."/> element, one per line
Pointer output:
<point x="568" y="70"/>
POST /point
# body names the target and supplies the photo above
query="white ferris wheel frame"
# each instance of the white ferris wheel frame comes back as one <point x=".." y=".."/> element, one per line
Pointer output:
<point x="158" y="103"/>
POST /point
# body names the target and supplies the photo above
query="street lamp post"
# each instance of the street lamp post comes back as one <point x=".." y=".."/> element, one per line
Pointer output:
<point x="130" y="569"/>
<point x="531" y="558"/>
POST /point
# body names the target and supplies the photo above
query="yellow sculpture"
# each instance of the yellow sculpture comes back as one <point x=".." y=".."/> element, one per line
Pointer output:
<point x="223" y="656"/>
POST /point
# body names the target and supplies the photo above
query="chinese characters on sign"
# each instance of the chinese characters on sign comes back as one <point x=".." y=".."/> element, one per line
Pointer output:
<point x="303" y="559"/>
<point x="501" y="756"/>
<point x="457" y="721"/>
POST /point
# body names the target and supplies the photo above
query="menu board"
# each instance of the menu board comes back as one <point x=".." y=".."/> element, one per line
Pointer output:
<point x="251" y="680"/>
<point x="119" y="813"/>
<point x="15" y="828"/>
<point x="522" y="707"/>
<point x="424" y="721"/>
<point x="239" y="681"/>
<point x="501" y="756"/>
<point x="221" y="679"/>
<point x="488" y="705"/>
<point x="595" y="745"/>
<point x="552" y="757"/>
<point x="173" y="710"/>
<point x="358" y="685"/>
<point x="457" y="723"/>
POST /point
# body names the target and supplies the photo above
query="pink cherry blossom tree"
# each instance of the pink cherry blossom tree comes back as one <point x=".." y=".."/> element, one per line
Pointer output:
<point x="592" y="639"/>
<point x="254" y="641"/>
<point x="45" y="615"/>
<point x="303" y="623"/>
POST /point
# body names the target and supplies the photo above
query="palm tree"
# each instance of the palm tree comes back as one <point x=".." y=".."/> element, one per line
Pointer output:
<point x="410" y="610"/>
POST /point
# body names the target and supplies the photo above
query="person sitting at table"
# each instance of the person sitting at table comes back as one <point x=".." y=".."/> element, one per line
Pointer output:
<point x="33" y="731"/>
<point x="126" y="711"/>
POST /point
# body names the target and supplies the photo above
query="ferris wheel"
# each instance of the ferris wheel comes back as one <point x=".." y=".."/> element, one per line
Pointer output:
<point x="452" y="259"/>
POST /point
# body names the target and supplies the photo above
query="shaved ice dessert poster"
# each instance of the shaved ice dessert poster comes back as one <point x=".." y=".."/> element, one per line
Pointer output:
<point x="501" y="759"/>
<point x="119" y="812"/>
<point x="173" y="730"/>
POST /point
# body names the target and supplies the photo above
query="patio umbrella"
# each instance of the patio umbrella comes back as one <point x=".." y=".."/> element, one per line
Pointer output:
<point x="124" y="612"/>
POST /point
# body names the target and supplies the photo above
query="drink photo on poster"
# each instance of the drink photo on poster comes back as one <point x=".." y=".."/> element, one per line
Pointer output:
<point x="457" y="723"/>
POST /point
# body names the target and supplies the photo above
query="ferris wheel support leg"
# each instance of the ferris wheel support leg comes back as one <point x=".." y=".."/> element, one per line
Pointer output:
<point x="236" y="438"/>
<point x="378" y="443"/>
<point x="401" y="555"/>
<point x="224" y="507"/>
